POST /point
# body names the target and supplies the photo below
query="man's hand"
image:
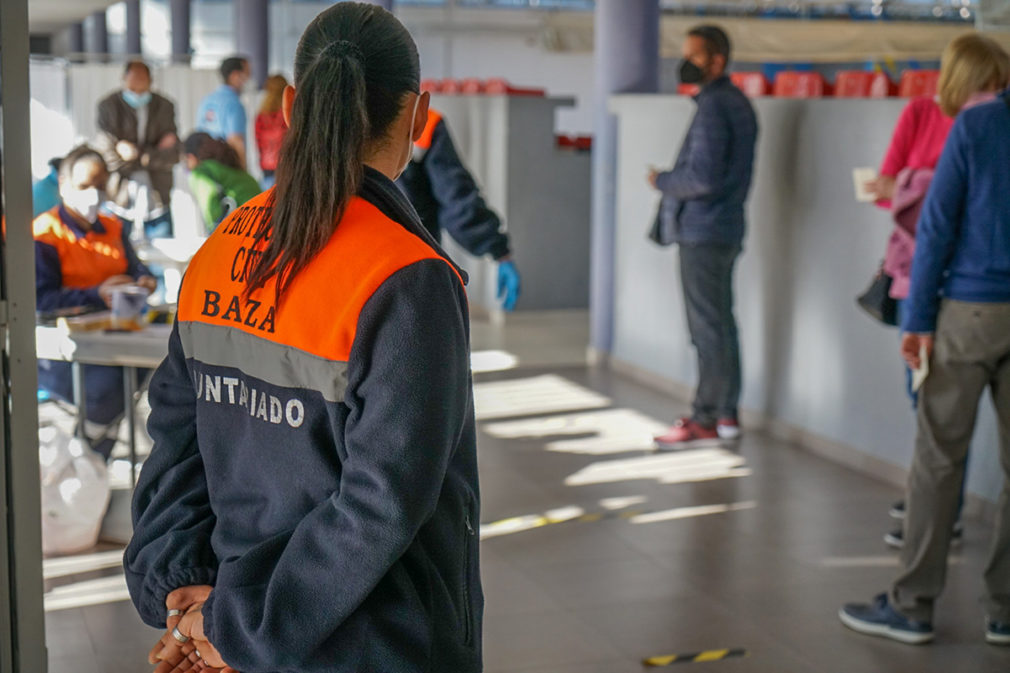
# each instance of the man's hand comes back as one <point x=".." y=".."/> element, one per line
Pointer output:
<point x="149" y="283"/>
<point x="105" y="289"/>
<point x="653" y="176"/>
<point x="168" y="141"/>
<point x="127" y="150"/>
<point x="192" y="626"/>
<point x="882" y="188"/>
<point x="911" y="348"/>
<point x="168" y="648"/>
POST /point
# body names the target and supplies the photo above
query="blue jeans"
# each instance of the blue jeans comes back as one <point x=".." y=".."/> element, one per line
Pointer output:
<point x="706" y="273"/>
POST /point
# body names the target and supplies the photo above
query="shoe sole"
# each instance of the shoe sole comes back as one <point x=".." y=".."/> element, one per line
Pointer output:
<point x="997" y="638"/>
<point x="690" y="444"/>
<point x="883" y="631"/>
<point x="729" y="435"/>
<point x="898" y="514"/>
<point x="896" y="544"/>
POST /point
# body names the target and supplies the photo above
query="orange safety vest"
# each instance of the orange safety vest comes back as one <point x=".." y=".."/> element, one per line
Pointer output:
<point x="320" y="307"/>
<point x="84" y="262"/>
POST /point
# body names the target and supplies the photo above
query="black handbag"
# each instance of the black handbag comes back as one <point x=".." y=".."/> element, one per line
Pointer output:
<point x="878" y="302"/>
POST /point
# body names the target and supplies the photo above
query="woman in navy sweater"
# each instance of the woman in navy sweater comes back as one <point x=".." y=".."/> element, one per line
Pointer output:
<point x="311" y="501"/>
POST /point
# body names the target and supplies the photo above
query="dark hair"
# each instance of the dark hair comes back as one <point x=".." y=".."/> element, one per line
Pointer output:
<point x="203" y="147"/>
<point x="354" y="64"/>
<point x="716" y="40"/>
<point x="130" y="65"/>
<point x="76" y="156"/>
<point x="232" y="64"/>
<point x="55" y="162"/>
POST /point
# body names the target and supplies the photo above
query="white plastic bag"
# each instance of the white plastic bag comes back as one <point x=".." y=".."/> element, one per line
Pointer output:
<point x="75" y="492"/>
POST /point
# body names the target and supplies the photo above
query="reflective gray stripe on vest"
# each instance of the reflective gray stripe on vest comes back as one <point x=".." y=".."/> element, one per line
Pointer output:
<point x="263" y="359"/>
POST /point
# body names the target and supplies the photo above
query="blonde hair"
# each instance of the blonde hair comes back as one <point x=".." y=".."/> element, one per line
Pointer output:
<point x="971" y="64"/>
<point x="273" y="90"/>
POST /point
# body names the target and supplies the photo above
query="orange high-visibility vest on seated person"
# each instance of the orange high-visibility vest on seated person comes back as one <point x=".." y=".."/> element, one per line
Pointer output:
<point x="84" y="262"/>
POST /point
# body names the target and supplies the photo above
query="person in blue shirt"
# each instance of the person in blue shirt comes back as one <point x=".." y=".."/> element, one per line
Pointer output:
<point x="957" y="328"/>
<point x="46" y="192"/>
<point x="446" y="196"/>
<point x="703" y="212"/>
<point x="221" y="113"/>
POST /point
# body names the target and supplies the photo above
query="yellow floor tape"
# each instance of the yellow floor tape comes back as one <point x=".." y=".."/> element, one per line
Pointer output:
<point x="694" y="657"/>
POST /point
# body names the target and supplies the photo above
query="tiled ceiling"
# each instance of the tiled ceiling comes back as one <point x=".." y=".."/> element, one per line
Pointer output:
<point x="46" y="16"/>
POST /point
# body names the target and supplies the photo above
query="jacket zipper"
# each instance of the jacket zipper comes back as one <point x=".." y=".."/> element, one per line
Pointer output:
<point x="467" y="615"/>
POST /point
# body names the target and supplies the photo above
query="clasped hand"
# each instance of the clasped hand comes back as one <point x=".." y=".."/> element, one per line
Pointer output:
<point x="195" y="655"/>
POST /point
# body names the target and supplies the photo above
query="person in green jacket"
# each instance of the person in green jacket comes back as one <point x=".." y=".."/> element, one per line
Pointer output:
<point x="216" y="178"/>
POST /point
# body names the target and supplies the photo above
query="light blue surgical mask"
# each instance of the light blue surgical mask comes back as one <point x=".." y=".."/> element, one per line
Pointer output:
<point x="136" y="100"/>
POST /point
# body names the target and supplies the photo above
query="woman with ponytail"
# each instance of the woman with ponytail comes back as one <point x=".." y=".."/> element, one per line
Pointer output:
<point x="311" y="502"/>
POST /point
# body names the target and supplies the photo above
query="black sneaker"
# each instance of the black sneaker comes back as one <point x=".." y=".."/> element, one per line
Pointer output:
<point x="898" y="510"/>
<point x="880" y="619"/>
<point x="997" y="633"/>
<point x="896" y="538"/>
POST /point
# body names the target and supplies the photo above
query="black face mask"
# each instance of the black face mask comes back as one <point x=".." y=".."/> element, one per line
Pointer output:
<point x="690" y="73"/>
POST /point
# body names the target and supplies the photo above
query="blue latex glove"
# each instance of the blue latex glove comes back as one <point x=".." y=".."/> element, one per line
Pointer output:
<point x="508" y="284"/>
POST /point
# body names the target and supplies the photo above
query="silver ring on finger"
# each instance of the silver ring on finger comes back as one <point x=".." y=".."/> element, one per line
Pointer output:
<point x="198" y="655"/>
<point x="177" y="634"/>
<point x="174" y="613"/>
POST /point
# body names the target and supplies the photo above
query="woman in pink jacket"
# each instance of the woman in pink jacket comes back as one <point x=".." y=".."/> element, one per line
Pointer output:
<point x="973" y="68"/>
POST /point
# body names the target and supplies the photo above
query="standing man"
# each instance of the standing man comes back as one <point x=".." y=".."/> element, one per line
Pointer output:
<point x="446" y="196"/>
<point x="137" y="137"/>
<point x="221" y="114"/>
<point x="703" y="211"/>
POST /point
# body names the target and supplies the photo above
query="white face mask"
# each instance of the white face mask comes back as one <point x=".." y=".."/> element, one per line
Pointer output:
<point x="84" y="202"/>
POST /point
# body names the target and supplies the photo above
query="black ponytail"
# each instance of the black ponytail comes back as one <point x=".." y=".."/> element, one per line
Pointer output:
<point x="354" y="64"/>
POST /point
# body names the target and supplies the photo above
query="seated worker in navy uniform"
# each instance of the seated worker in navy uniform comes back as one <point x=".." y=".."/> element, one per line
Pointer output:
<point x="445" y="195"/>
<point x="80" y="256"/>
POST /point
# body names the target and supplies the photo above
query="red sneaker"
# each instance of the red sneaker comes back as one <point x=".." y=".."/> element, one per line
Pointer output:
<point x="728" y="428"/>
<point x="687" y="434"/>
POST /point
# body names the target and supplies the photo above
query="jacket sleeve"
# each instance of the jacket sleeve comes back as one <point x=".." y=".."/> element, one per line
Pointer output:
<point x="49" y="291"/>
<point x="172" y="518"/>
<point x="937" y="233"/>
<point x="108" y="135"/>
<point x="462" y="211"/>
<point x="278" y="606"/>
<point x="904" y="135"/>
<point x="706" y="168"/>
<point x="164" y="160"/>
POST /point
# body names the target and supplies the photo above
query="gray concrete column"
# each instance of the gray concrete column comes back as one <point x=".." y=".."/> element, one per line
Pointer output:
<point x="75" y="38"/>
<point x="180" y="13"/>
<point x="97" y="35"/>
<point x="387" y="4"/>
<point x="252" y="28"/>
<point x="133" y="45"/>
<point x="626" y="60"/>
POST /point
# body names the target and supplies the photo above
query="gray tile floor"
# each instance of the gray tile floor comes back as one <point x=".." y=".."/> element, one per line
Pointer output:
<point x="753" y="548"/>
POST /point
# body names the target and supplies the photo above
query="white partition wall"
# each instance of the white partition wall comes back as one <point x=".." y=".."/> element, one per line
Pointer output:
<point x="815" y="367"/>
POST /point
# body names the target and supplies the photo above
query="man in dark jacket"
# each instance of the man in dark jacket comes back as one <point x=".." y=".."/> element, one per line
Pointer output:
<point x="704" y="198"/>
<point x="446" y="196"/>
<point x="138" y="139"/>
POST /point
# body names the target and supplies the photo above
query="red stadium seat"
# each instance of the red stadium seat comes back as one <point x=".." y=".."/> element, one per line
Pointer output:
<point x="688" y="89"/>
<point x="918" y="83"/>
<point x="753" y="84"/>
<point x="863" y="84"/>
<point x="472" y="86"/>
<point x="500" y="87"/>
<point x="451" y="86"/>
<point x="432" y="85"/>
<point x="791" y="84"/>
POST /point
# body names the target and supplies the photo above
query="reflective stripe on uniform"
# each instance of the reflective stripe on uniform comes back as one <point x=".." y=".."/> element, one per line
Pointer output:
<point x="266" y="360"/>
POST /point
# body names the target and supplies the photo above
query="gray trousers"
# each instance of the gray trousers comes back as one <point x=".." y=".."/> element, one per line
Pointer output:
<point x="971" y="353"/>
<point x="706" y="273"/>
